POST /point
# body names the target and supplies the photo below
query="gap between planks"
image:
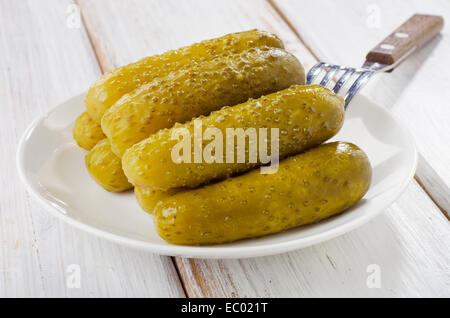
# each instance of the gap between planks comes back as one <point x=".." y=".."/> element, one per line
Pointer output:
<point x="440" y="201"/>
<point x="424" y="171"/>
<point x="102" y="61"/>
<point x="105" y="66"/>
<point x="292" y="28"/>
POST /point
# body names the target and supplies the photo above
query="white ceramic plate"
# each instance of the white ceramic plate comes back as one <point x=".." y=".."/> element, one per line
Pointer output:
<point x="52" y="167"/>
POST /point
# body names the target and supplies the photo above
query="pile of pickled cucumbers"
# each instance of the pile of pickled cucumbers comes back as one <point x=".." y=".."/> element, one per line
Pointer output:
<point x="245" y="81"/>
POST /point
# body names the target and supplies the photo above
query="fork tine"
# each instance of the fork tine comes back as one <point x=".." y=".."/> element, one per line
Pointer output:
<point x="349" y="72"/>
<point x="360" y="81"/>
<point x="313" y="72"/>
<point x="329" y="75"/>
<point x="363" y="75"/>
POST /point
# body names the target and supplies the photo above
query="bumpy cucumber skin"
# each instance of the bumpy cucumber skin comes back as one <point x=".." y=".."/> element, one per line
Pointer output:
<point x="106" y="168"/>
<point x="86" y="132"/>
<point x="228" y="80"/>
<point x="148" y="198"/>
<point x="112" y="85"/>
<point x="309" y="187"/>
<point x="305" y="115"/>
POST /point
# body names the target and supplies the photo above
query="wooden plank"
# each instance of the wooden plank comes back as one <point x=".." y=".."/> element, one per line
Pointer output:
<point x="152" y="27"/>
<point x="417" y="92"/>
<point x="405" y="242"/>
<point x="45" y="61"/>
<point x="410" y="248"/>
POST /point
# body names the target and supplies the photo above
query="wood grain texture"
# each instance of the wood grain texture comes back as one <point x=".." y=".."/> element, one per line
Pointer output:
<point x="416" y="92"/>
<point x="155" y="26"/>
<point x="413" y="33"/>
<point x="434" y="186"/>
<point x="410" y="246"/>
<point x="44" y="62"/>
<point x="408" y="242"/>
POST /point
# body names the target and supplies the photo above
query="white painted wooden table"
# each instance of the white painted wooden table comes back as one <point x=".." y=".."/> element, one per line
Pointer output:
<point x="48" y="54"/>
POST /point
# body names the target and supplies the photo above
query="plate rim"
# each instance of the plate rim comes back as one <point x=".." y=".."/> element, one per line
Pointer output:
<point x="209" y="252"/>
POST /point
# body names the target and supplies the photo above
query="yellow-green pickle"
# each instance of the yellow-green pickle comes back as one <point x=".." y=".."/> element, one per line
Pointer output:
<point x="305" y="116"/>
<point x="86" y="132"/>
<point x="112" y="85"/>
<point x="307" y="188"/>
<point x="180" y="96"/>
<point x="148" y="198"/>
<point x="106" y="168"/>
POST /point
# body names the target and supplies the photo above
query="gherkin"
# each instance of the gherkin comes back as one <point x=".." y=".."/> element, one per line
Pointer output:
<point x="105" y="168"/>
<point x="307" y="188"/>
<point x="199" y="90"/>
<point x="305" y="116"/>
<point x="86" y="132"/>
<point x="148" y="198"/>
<point x="112" y="85"/>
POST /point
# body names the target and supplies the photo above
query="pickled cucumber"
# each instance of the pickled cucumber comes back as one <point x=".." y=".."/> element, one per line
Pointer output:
<point x="198" y="91"/>
<point x="305" y="117"/>
<point x="308" y="187"/>
<point x="86" y="132"/>
<point x="148" y="198"/>
<point x="106" y="168"/>
<point x="112" y="85"/>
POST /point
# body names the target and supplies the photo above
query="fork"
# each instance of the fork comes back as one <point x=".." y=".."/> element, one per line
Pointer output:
<point x="407" y="38"/>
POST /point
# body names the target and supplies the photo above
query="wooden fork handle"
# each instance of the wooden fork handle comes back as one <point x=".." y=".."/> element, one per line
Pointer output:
<point x="411" y="35"/>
